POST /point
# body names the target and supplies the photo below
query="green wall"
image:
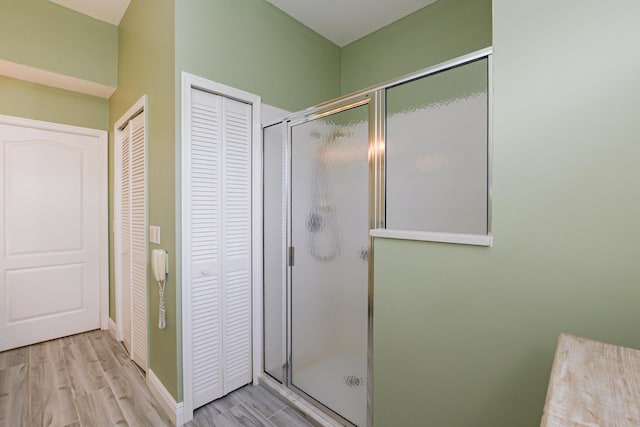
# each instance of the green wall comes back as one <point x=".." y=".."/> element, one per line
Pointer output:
<point x="44" y="35"/>
<point x="146" y="66"/>
<point x="38" y="102"/>
<point x="465" y="336"/>
<point x="255" y="47"/>
<point x="433" y="34"/>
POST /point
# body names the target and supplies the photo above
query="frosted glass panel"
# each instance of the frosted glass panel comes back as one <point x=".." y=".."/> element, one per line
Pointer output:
<point x="436" y="147"/>
<point x="329" y="279"/>
<point x="274" y="246"/>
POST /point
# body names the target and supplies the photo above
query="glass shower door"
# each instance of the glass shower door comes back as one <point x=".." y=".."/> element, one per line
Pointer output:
<point x="329" y="278"/>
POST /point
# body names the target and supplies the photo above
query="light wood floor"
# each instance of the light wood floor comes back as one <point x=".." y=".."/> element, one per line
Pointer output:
<point x="248" y="406"/>
<point x="89" y="380"/>
<point x="82" y="380"/>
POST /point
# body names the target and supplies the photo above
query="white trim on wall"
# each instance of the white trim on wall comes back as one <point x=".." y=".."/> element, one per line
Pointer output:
<point x="190" y="81"/>
<point x="256" y="238"/>
<point x="187" y="380"/>
<point x="140" y="105"/>
<point x="430" y="236"/>
<point x="51" y="79"/>
<point x="175" y="411"/>
<point x="113" y="329"/>
<point x="271" y="115"/>
<point x="103" y="235"/>
<point x="104" y="229"/>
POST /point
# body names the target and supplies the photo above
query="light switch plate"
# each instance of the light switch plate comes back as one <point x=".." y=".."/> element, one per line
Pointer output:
<point x="154" y="234"/>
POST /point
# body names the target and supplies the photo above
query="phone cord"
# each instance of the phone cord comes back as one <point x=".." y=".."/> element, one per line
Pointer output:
<point x="162" y="321"/>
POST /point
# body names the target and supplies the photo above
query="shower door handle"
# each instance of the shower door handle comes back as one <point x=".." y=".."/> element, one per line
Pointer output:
<point x="290" y="256"/>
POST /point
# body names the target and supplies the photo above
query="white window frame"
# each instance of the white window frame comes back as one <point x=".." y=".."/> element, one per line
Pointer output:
<point x="456" y="238"/>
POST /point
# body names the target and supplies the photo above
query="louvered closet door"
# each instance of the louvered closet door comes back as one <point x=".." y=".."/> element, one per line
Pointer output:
<point x="206" y="291"/>
<point x="220" y="245"/>
<point x="138" y="243"/>
<point x="125" y="235"/>
<point x="236" y="235"/>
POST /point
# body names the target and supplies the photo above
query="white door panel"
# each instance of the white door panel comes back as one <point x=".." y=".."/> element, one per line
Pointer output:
<point x="50" y="222"/>
<point x="236" y="237"/>
<point x="131" y="234"/>
<point x="205" y="231"/>
<point x="138" y="248"/>
<point x="125" y="235"/>
<point x="28" y="169"/>
<point x="23" y="284"/>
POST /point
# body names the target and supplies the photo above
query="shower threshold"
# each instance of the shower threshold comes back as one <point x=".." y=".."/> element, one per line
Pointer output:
<point x="313" y="413"/>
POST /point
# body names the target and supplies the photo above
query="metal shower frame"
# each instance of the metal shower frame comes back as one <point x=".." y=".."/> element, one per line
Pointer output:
<point x="375" y="98"/>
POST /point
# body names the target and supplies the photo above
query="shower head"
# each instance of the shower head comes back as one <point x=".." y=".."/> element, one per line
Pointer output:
<point x="333" y="134"/>
<point x="337" y="132"/>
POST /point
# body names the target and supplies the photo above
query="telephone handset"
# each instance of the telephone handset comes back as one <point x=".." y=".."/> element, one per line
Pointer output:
<point x="160" y="269"/>
<point x="159" y="264"/>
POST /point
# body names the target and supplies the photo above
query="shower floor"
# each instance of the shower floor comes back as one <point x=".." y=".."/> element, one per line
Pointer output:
<point x="338" y="381"/>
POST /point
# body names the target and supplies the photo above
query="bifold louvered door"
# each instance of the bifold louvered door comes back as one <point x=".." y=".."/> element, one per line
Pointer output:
<point x="133" y="239"/>
<point x="125" y="234"/>
<point x="220" y="236"/>
<point x="138" y="243"/>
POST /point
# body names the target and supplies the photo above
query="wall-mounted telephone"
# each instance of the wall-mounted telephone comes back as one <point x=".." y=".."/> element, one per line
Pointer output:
<point x="159" y="264"/>
<point x="160" y="269"/>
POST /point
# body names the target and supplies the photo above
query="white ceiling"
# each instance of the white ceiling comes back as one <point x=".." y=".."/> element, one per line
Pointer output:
<point x="341" y="21"/>
<point x="110" y="11"/>
<point x="345" y="21"/>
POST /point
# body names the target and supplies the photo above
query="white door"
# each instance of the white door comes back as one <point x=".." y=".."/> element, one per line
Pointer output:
<point x="125" y="236"/>
<point x="138" y="243"/>
<point x="50" y="218"/>
<point x="236" y="239"/>
<point x="218" y="199"/>
<point x="132" y="272"/>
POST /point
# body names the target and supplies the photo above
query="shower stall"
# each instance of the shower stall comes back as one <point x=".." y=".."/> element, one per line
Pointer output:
<point x="322" y="209"/>
<point x="325" y="189"/>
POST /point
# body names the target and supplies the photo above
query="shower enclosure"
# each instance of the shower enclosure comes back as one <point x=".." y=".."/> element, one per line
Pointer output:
<point x="326" y="242"/>
<point x="324" y="176"/>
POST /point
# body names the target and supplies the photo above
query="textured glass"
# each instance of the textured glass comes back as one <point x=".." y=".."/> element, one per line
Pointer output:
<point x="329" y="279"/>
<point x="436" y="148"/>
<point x="274" y="247"/>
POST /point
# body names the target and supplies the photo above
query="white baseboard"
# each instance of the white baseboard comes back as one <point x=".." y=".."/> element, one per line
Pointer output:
<point x="175" y="411"/>
<point x="113" y="329"/>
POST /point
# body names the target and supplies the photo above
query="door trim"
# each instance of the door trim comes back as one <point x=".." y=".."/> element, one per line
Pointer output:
<point x="190" y="81"/>
<point x="140" y="105"/>
<point x="103" y="196"/>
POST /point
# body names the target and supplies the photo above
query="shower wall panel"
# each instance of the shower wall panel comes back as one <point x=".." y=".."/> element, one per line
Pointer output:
<point x="274" y="195"/>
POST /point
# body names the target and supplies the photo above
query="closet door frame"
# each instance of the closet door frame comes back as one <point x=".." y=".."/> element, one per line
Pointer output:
<point x="141" y="105"/>
<point x="190" y="81"/>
